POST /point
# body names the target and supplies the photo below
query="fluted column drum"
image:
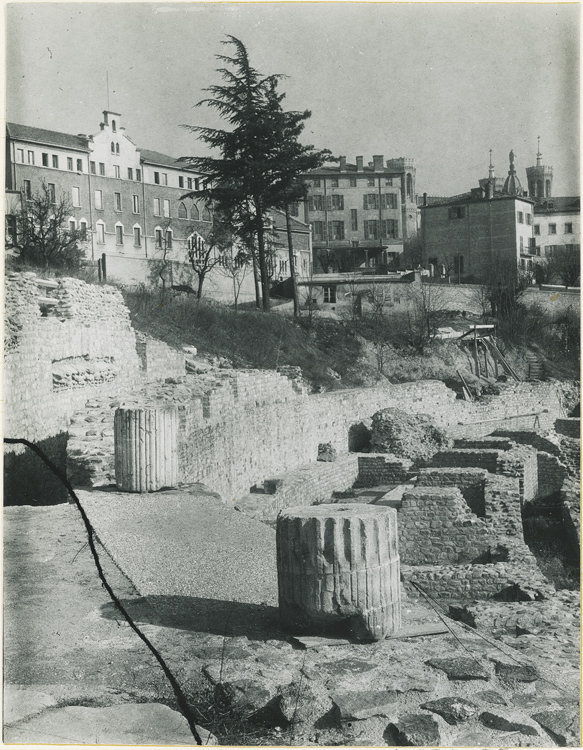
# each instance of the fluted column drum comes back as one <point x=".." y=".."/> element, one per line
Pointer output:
<point x="339" y="565"/>
<point x="146" y="448"/>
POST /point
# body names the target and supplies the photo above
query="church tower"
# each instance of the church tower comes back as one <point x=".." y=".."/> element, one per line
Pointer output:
<point x="512" y="184"/>
<point x="540" y="178"/>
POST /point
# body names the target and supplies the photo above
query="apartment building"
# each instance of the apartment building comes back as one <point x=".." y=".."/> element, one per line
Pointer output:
<point x="360" y="214"/>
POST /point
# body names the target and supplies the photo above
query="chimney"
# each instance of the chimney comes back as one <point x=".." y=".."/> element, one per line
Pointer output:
<point x="360" y="164"/>
<point x="343" y="164"/>
<point x="378" y="163"/>
<point x="424" y="199"/>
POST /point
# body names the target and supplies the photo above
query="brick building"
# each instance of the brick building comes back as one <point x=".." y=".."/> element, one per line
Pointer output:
<point x="361" y="214"/>
<point x="128" y="202"/>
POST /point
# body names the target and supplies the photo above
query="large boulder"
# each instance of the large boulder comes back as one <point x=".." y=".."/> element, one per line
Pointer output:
<point x="412" y="436"/>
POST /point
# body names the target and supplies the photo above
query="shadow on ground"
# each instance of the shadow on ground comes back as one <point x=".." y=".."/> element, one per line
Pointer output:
<point x="196" y="614"/>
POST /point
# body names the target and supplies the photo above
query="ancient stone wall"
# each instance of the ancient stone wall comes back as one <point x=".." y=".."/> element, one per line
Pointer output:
<point x="157" y="359"/>
<point x="469" y="481"/>
<point x="569" y="426"/>
<point x="375" y="469"/>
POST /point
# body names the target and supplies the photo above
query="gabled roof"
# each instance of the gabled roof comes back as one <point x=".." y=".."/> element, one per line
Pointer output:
<point x="155" y="157"/>
<point x="46" y="137"/>
<point x="558" y="205"/>
<point x="280" y="222"/>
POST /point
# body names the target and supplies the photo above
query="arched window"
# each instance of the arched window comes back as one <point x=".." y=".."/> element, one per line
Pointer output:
<point x="206" y="214"/>
<point x="112" y="147"/>
<point x="409" y="186"/>
<point x="194" y="212"/>
<point x="113" y="127"/>
<point x="117" y="148"/>
<point x="548" y="189"/>
<point x="182" y="212"/>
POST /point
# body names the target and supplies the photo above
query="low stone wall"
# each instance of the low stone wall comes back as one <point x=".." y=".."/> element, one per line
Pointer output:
<point x="305" y="485"/>
<point x="470" y="482"/>
<point x="569" y="426"/>
<point x="376" y="469"/>
<point x="486" y="459"/>
<point x="157" y="359"/>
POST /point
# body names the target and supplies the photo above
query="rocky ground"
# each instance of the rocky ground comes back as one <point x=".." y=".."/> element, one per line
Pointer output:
<point x="203" y="589"/>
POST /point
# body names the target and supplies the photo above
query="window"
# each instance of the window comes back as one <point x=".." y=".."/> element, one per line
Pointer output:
<point x="180" y="181"/>
<point x="118" y="234"/>
<point x="31" y="157"/>
<point x="138" y="175"/>
<point x="117" y="148"/>
<point x="336" y="203"/>
<point x="569" y="228"/>
<point x="98" y="199"/>
<point x="552" y="228"/>
<point x="156" y="206"/>
<point x="520" y="217"/>
<point x="157" y="178"/>
<point x="112" y="147"/>
<point x="55" y="161"/>
<point x="371" y="182"/>
<point x="283" y="267"/>
<point x="457" y="212"/>
<point x="52" y="194"/>
<point x="76" y="196"/>
<point x="100" y="233"/>
<point x="79" y="165"/>
<point x="130" y="173"/>
<point x="182" y="212"/>
<point x="410" y="187"/>
<point x="20" y="155"/>
<point x="194" y="213"/>
<point x="370" y="201"/>
<point x="92" y="167"/>
<point x="536" y="228"/>
<point x="45" y="160"/>
<point x="522" y="244"/>
<point x="317" y="203"/>
<point x="355" y="243"/>
<point x="83" y="230"/>
<point x="528" y="219"/>
<point x="371" y="229"/>
<point x="102" y="169"/>
<point x="117" y="201"/>
<point x="389" y="200"/>
<point x="113" y="127"/>
<point x="136" y="204"/>
<point x="294" y="209"/>
<point x="206" y="214"/>
<point x="137" y="237"/>
<point x="196" y="183"/>
<point x="353" y="219"/>
<point x="164" y="178"/>
<point x="72" y="225"/>
<point x="390" y="228"/>
<point x="166" y="208"/>
<point x="458" y="265"/>
<point x="158" y="236"/>
<point x="316" y="182"/>
<point x="335" y="230"/>
<point x="389" y="182"/>
<point x="27" y="190"/>
<point x="550" y="249"/>
<point x="189" y="183"/>
<point x="116" y="171"/>
<point x="330" y="294"/>
<point x="334" y="182"/>
<point x="318" y="229"/>
<point x="532" y="244"/>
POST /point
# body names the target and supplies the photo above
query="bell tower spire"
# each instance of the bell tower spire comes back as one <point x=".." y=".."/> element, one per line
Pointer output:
<point x="540" y="178"/>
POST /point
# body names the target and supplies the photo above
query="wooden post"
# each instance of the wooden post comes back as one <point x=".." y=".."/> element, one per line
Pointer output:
<point x="476" y="353"/>
<point x="146" y="448"/>
<point x="339" y="565"/>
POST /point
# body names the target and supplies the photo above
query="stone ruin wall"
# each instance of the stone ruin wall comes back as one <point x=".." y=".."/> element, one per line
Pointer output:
<point x="238" y="428"/>
<point x="54" y="363"/>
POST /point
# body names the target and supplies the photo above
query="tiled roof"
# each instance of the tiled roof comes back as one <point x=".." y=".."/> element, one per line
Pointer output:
<point x="558" y="205"/>
<point x="47" y="137"/>
<point x="155" y="157"/>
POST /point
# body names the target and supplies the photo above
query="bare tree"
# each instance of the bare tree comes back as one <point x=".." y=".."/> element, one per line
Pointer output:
<point x="161" y="267"/>
<point x="46" y="236"/>
<point x="236" y="266"/>
<point x="425" y="314"/>
<point x="563" y="265"/>
<point x="204" y="253"/>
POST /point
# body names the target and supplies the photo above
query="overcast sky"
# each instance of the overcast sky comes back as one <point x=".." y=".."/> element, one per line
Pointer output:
<point x="442" y="83"/>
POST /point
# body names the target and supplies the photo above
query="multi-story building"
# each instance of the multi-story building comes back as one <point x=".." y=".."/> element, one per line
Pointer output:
<point x="127" y="202"/>
<point x="557" y="224"/>
<point x="360" y="215"/>
<point x="468" y="236"/>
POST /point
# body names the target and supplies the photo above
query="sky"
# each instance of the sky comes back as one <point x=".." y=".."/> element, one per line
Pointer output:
<point x="440" y="82"/>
